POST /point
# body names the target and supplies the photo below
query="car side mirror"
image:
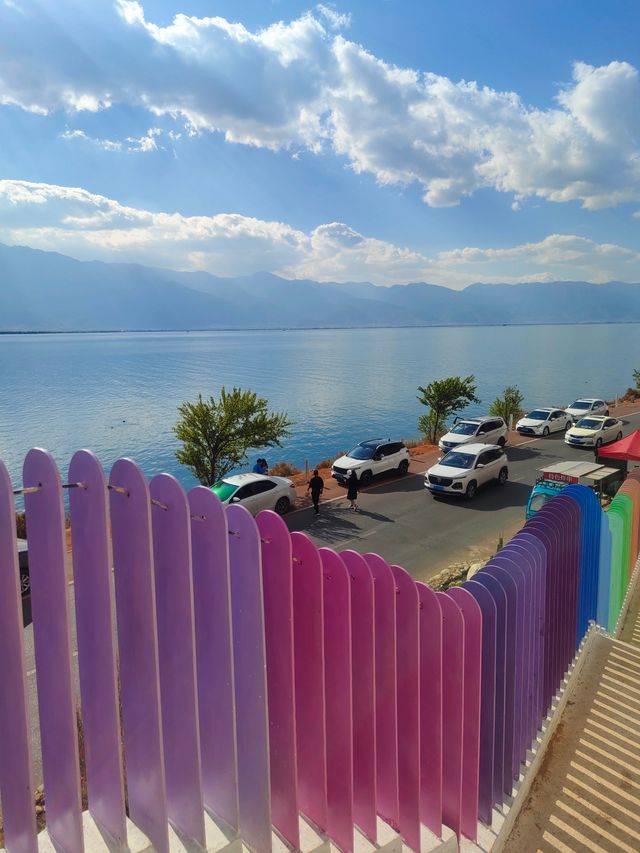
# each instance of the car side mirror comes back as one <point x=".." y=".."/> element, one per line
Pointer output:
<point x="235" y="500"/>
<point x="377" y="457"/>
<point x="480" y="465"/>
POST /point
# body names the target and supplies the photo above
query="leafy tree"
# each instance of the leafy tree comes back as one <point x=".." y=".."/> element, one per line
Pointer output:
<point x="509" y="404"/>
<point x="636" y="378"/>
<point x="444" y="397"/>
<point x="216" y="434"/>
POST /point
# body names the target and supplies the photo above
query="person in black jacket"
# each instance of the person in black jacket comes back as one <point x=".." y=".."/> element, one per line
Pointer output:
<point x="316" y="487"/>
<point x="352" y="489"/>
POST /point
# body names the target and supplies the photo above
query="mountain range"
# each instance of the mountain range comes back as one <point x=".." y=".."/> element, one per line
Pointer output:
<point x="47" y="291"/>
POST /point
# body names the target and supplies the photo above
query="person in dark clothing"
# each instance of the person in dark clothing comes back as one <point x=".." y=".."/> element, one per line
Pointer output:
<point x="316" y="487"/>
<point x="352" y="489"/>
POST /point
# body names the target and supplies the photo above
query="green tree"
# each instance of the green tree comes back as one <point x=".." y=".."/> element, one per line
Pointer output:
<point x="444" y="397"/>
<point x="636" y="378"/>
<point x="509" y="404"/>
<point x="216" y="434"/>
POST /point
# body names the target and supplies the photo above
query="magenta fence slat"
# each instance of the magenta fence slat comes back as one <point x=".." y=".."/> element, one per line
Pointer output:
<point x="16" y="780"/>
<point x="386" y="710"/>
<point x="408" y="676"/>
<point x="277" y="585"/>
<point x="363" y="693"/>
<point x="52" y="642"/>
<point x="96" y="646"/>
<point x="339" y="720"/>
<point x="453" y="641"/>
<point x="171" y="527"/>
<point x="308" y="625"/>
<point x="214" y="654"/>
<point x="130" y="504"/>
<point x="431" y="652"/>
<point x="250" y="679"/>
<point x="472" y="616"/>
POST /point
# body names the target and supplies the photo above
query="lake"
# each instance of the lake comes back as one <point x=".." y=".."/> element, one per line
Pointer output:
<point x="118" y="393"/>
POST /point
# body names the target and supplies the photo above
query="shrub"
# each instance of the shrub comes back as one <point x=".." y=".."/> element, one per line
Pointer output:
<point x="510" y="404"/>
<point x="324" y="463"/>
<point x="21" y="525"/>
<point x="284" y="469"/>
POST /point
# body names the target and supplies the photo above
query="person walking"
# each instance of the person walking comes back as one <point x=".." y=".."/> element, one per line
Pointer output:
<point x="352" y="490"/>
<point x="316" y="487"/>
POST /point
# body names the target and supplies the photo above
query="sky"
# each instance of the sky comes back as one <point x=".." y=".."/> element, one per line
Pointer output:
<point x="391" y="141"/>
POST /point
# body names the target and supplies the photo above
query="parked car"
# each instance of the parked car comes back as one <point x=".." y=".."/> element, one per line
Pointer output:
<point x="594" y="432"/>
<point x="586" y="406"/>
<point x="488" y="430"/>
<point x="256" y="492"/>
<point x="462" y="471"/>
<point x="370" y="458"/>
<point x="544" y="421"/>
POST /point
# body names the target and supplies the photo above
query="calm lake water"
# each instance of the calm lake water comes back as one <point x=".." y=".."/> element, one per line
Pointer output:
<point x="117" y="393"/>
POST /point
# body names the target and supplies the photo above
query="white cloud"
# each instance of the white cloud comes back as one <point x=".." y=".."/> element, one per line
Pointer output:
<point x="85" y="225"/>
<point x="302" y="85"/>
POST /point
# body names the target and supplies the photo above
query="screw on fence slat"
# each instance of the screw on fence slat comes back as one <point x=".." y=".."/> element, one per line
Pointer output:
<point x="159" y="504"/>
<point x="118" y="489"/>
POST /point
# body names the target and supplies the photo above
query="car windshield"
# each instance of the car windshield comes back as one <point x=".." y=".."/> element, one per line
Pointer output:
<point x="589" y="423"/>
<point x="455" y="459"/>
<point x="465" y="428"/>
<point x="580" y="404"/>
<point x="224" y="490"/>
<point x="362" y="451"/>
<point x="538" y="415"/>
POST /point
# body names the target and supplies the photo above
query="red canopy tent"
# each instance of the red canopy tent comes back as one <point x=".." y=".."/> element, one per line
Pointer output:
<point x="626" y="448"/>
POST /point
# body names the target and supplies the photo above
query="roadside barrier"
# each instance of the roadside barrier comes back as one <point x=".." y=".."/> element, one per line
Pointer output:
<point x="231" y="671"/>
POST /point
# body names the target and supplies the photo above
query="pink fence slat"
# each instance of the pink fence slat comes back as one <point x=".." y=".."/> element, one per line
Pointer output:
<point x="16" y="782"/>
<point x="252" y="724"/>
<point x="308" y="624"/>
<point x="130" y="505"/>
<point x="430" y="709"/>
<point x="277" y="585"/>
<point x="177" y="655"/>
<point x="364" y="693"/>
<point x="96" y="644"/>
<point x="384" y="587"/>
<point x="452" y="710"/>
<point x="52" y="641"/>
<point x="472" y="616"/>
<point x="214" y="656"/>
<point x="408" y="680"/>
<point x="339" y="722"/>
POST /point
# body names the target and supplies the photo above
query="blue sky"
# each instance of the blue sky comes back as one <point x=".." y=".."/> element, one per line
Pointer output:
<point x="386" y="141"/>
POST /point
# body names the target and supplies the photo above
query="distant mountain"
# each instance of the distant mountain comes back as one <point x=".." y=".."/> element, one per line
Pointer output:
<point x="46" y="291"/>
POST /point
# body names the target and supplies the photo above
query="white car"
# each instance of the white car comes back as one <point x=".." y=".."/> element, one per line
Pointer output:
<point x="594" y="432"/>
<point x="372" y="457"/>
<point x="256" y="492"/>
<point x="586" y="406"/>
<point x="488" y="430"/>
<point x="462" y="471"/>
<point x="544" y="421"/>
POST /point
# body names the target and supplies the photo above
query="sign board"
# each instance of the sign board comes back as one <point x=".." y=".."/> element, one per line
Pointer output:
<point x="559" y="478"/>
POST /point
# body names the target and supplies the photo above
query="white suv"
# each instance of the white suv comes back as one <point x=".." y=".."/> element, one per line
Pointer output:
<point x="488" y="430"/>
<point x="462" y="471"/>
<point x="586" y="406"/>
<point x="372" y="457"/>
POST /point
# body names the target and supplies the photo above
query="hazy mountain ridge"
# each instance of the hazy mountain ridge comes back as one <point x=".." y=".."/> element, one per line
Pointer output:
<point x="47" y="291"/>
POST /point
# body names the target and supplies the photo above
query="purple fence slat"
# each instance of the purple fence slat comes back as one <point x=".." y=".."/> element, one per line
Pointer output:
<point x="408" y="676"/>
<point x="214" y="655"/>
<point x="277" y="585"/>
<point x="532" y="529"/>
<point x="339" y="722"/>
<point x="430" y="709"/>
<point x="252" y="723"/>
<point x="488" y="697"/>
<point x="16" y="782"/>
<point x="535" y="547"/>
<point x="386" y="711"/>
<point x="363" y="693"/>
<point x="308" y="623"/>
<point x="452" y="709"/>
<point x="130" y="504"/>
<point x="171" y="526"/>
<point x="96" y="644"/>
<point x="472" y="616"/>
<point x="52" y="641"/>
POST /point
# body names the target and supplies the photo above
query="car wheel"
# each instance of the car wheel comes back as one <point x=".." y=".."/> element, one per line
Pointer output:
<point x="545" y="432"/>
<point x="568" y="425"/>
<point x="365" y="478"/>
<point x="502" y="441"/>
<point x="598" y="444"/>
<point x="503" y="476"/>
<point x="282" y="506"/>
<point x="403" y="467"/>
<point x="472" y="488"/>
<point x="619" y="436"/>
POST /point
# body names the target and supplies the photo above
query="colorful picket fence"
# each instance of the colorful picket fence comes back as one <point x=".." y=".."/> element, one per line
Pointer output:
<point x="252" y="676"/>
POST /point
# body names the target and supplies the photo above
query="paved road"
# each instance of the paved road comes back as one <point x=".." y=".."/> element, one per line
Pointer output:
<point x="400" y="520"/>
